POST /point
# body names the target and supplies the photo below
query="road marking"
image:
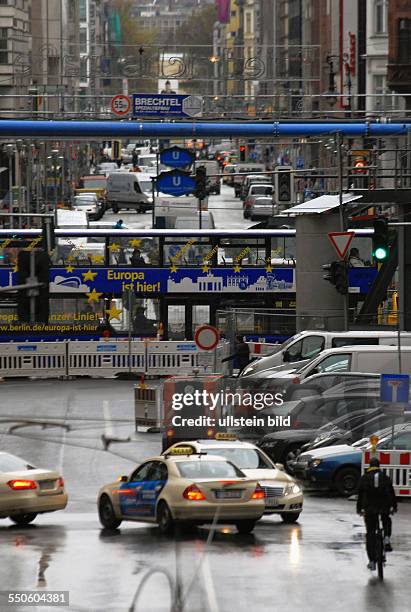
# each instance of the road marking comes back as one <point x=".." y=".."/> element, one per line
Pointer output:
<point x="209" y="585"/>
<point x="108" y="426"/>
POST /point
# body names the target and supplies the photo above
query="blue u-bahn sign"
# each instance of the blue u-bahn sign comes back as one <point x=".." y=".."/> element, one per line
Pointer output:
<point x="176" y="183"/>
<point x="176" y="157"/>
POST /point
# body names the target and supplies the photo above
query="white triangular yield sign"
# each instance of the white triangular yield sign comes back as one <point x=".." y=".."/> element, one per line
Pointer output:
<point x="341" y="241"/>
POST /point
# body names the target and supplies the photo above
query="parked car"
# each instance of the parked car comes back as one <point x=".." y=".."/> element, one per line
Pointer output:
<point x="339" y="467"/>
<point x="309" y="344"/>
<point x="342" y="381"/>
<point x="284" y="446"/>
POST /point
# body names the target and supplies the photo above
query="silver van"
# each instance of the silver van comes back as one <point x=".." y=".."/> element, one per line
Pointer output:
<point x="308" y="344"/>
<point x="130" y="190"/>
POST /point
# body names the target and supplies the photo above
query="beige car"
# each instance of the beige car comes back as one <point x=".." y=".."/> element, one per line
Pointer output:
<point x="186" y="488"/>
<point x="282" y="493"/>
<point x="26" y="491"/>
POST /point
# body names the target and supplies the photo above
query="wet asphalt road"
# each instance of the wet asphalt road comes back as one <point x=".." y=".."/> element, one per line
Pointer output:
<point x="317" y="564"/>
<point x="227" y="212"/>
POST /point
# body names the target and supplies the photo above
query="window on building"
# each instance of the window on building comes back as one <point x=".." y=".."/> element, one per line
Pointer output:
<point x="83" y="69"/>
<point x="404" y="41"/>
<point x="248" y="22"/>
<point x="83" y="10"/>
<point x="384" y="99"/>
<point x="4" y="56"/>
<point x="83" y="40"/>
<point x="381" y="16"/>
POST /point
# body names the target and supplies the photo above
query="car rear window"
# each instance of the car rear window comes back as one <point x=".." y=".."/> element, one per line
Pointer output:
<point x="243" y="458"/>
<point x="208" y="469"/>
<point x="9" y="463"/>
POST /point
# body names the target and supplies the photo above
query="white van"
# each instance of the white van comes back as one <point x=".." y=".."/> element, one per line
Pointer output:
<point x="372" y="359"/>
<point x="193" y="221"/>
<point x="308" y="344"/>
<point x="130" y="190"/>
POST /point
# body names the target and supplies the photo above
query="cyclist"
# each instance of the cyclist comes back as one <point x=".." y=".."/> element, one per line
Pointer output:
<point x="376" y="496"/>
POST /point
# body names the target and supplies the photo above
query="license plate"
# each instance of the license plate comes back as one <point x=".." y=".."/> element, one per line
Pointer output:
<point x="47" y="485"/>
<point x="228" y="494"/>
<point x="271" y="501"/>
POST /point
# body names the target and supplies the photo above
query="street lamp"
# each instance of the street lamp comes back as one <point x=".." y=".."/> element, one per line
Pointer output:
<point x="331" y="94"/>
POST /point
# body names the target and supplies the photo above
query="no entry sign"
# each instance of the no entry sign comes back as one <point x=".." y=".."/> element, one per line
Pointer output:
<point x="207" y="337"/>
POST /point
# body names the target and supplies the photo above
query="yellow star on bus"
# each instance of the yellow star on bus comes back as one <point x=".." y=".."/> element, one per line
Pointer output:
<point x="113" y="313"/>
<point x="69" y="269"/>
<point x="89" y="275"/>
<point x="113" y="248"/>
<point x="173" y="268"/>
<point x="93" y="296"/>
<point x="96" y="259"/>
<point x="15" y="268"/>
<point x="205" y="267"/>
<point x="237" y="268"/>
<point x="135" y="243"/>
<point x="268" y="268"/>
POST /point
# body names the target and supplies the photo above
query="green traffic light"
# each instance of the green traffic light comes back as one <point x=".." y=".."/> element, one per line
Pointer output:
<point x="380" y="253"/>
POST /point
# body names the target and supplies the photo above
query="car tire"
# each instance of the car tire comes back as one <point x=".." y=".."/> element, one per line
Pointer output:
<point x="290" y="517"/>
<point x="115" y="208"/>
<point x="23" y="519"/>
<point x="346" y="481"/>
<point x="245" y="527"/>
<point x="164" y="518"/>
<point x="106" y="513"/>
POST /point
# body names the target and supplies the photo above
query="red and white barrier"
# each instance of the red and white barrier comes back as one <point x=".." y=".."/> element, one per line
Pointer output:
<point x="396" y="464"/>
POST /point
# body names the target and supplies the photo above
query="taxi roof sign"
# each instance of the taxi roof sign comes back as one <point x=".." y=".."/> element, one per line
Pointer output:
<point x="226" y="436"/>
<point x="181" y="450"/>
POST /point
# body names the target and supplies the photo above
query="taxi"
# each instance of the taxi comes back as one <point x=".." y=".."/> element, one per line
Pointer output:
<point x="283" y="495"/>
<point x="183" y="487"/>
<point x="26" y="491"/>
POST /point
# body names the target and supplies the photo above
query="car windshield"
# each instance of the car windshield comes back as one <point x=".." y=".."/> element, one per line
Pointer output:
<point x="10" y="463"/>
<point x="208" y="469"/>
<point x="145" y="185"/>
<point x="244" y="458"/>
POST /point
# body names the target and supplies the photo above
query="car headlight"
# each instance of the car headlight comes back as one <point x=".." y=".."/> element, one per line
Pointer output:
<point x="292" y="489"/>
<point x="315" y="462"/>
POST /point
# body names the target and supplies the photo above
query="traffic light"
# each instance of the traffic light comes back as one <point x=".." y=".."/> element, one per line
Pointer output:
<point x="284" y="186"/>
<point x="337" y="275"/>
<point x="200" y="191"/>
<point x="243" y="152"/>
<point x="330" y="269"/>
<point x="380" y="247"/>
<point x="116" y="152"/>
<point x="341" y="277"/>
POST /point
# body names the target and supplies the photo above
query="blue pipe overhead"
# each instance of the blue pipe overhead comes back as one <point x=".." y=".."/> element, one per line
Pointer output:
<point x="130" y="129"/>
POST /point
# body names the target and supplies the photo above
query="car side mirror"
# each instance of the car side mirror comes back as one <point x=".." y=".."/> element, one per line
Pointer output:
<point x="279" y="466"/>
<point x="286" y="356"/>
<point x="123" y="479"/>
<point x="315" y="371"/>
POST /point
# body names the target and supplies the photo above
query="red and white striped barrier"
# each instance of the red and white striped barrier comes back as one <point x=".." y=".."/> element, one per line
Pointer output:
<point x="261" y="349"/>
<point x="396" y="464"/>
